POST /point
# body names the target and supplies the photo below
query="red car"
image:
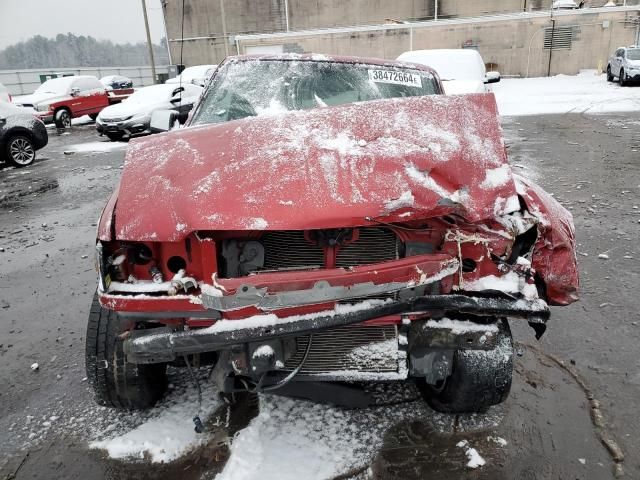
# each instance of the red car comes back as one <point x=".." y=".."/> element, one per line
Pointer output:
<point x="60" y="99"/>
<point x="325" y="220"/>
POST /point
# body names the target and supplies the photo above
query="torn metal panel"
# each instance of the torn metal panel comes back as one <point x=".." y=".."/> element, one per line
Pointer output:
<point x="331" y="285"/>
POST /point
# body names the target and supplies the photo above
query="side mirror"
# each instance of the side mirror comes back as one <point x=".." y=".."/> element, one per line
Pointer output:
<point x="75" y="91"/>
<point x="492" y="77"/>
<point x="163" y="120"/>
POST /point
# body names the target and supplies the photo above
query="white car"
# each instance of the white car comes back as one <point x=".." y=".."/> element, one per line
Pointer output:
<point x="4" y="94"/>
<point x="116" y="82"/>
<point x="197" y="75"/>
<point x="564" y="5"/>
<point x="133" y="115"/>
<point x="624" y="64"/>
<point x="461" y="70"/>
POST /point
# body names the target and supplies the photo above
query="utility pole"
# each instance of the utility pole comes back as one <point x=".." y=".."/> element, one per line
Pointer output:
<point x="553" y="34"/>
<point x="149" y="44"/>
<point x="224" y="29"/>
<point x="435" y="14"/>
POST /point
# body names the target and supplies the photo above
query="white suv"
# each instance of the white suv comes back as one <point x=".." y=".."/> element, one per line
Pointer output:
<point x="624" y="64"/>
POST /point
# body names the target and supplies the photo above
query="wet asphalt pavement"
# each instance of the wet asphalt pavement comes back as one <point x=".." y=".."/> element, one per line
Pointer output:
<point x="591" y="164"/>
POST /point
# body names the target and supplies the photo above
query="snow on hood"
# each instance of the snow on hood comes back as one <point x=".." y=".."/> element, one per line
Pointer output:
<point x="126" y="109"/>
<point x="459" y="87"/>
<point x="320" y="168"/>
<point x="38" y="98"/>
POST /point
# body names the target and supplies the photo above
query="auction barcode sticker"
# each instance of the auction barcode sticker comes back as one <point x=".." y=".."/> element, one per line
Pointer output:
<point x="395" y="77"/>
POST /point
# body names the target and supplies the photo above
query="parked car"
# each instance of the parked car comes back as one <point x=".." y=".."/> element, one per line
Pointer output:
<point x="133" y="115"/>
<point x="4" y="94"/>
<point x="624" y="64"/>
<point x="461" y="70"/>
<point x="564" y="5"/>
<point x="329" y="219"/>
<point x="116" y="82"/>
<point x="60" y="99"/>
<point x="197" y="75"/>
<point x="21" y="135"/>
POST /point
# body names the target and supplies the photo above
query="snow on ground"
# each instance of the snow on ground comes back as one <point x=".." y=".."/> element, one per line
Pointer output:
<point x="320" y="441"/>
<point x="294" y="439"/>
<point x="586" y="92"/>
<point x="166" y="435"/>
<point x="475" y="459"/>
<point x="160" y="434"/>
<point x="95" y="147"/>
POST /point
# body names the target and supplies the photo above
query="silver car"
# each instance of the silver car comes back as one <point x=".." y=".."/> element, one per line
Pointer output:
<point x="624" y="64"/>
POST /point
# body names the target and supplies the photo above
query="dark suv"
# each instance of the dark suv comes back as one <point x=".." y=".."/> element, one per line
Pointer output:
<point x="21" y="134"/>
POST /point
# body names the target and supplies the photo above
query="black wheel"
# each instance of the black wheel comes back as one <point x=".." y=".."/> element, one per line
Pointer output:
<point x="479" y="378"/>
<point x="622" y="78"/>
<point x="115" y="136"/>
<point x="609" y="75"/>
<point x="116" y="382"/>
<point x="20" y="151"/>
<point x="93" y="116"/>
<point x="62" y="119"/>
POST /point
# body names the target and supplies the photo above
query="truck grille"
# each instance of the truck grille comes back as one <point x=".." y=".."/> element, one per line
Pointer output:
<point x="374" y="245"/>
<point x="290" y="249"/>
<point x="371" y="349"/>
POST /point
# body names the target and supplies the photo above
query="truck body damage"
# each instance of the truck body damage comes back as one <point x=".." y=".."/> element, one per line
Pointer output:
<point x="269" y="239"/>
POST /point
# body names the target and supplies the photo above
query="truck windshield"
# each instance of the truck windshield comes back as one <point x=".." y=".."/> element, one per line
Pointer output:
<point x="248" y="88"/>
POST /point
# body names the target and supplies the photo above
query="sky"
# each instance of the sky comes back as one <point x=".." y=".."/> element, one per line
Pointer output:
<point x="118" y="20"/>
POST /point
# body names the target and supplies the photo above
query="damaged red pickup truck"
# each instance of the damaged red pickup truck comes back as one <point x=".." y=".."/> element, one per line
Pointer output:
<point x="321" y="222"/>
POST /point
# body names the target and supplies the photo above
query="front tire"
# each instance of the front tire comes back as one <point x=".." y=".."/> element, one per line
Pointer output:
<point x="62" y="119"/>
<point x="622" y="78"/>
<point x="609" y="74"/>
<point x="116" y="382"/>
<point x="19" y="151"/>
<point x="479" y="379"/>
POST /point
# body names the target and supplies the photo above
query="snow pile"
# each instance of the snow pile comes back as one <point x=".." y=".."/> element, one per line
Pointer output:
<point x="168" y="433"/>
<point x="497" y="440"/>
<point x="404" y="200"/>
<point x="475" y="460"/>
<point x="460" y="327"/>
<point x="586" y="92"/>
<point x="95" y="147"/>
<point x="511" y="282"/>
<point x="496" y="177"/>
<point x="293" y="439"/>
<point x="375" y="353"/>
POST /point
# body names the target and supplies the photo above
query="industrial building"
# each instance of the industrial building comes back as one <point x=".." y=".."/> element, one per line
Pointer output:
<point x="516" y="37"/>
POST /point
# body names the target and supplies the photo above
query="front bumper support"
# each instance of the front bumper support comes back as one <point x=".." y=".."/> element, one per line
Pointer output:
<point x="164" y="345"/>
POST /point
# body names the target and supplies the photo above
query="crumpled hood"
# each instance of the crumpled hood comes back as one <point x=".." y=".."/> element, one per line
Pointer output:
<point x="393" y="160"/>
<point x="38" y="98"/>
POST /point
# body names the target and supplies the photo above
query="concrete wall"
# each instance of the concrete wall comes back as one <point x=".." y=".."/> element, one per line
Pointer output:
<point x="513" y="46"/>
<point x="210" y="26"/>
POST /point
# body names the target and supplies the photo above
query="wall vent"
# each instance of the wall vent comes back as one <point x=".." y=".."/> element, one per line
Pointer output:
<point x="563" y="37"/>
